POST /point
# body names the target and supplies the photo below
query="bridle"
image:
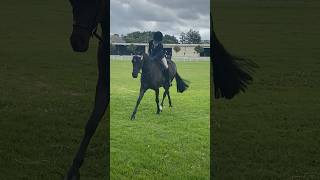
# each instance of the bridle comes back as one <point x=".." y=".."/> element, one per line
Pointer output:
<point x="88" y="28"/>
<point x="92" y="28"/>
<point x="142" y="63"/>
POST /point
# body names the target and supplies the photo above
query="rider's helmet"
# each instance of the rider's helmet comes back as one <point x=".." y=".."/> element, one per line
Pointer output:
<point x="157" y="36"/>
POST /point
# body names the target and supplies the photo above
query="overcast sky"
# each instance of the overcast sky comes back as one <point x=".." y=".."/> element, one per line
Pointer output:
<point x="168" y="16"/>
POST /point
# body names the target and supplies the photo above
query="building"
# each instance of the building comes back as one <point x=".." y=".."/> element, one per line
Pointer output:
<point x="177" y="50"/>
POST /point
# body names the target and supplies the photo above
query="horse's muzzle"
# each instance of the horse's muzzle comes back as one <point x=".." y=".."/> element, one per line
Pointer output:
<point x="134" y="75"/>
<point x="79" y="41"/>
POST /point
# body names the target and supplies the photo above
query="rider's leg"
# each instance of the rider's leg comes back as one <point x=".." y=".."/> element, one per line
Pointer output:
<point x="166" y="72"/>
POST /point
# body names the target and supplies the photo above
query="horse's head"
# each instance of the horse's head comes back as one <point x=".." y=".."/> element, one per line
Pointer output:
<point x="85" y="21"/>
<point x="137" y="63"/>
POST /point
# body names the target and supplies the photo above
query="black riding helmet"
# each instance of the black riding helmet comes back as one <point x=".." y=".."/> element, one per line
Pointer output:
<point x="157" y="36"/>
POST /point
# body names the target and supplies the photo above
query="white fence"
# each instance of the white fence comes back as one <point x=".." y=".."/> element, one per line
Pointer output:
<point x="175" y="58"/>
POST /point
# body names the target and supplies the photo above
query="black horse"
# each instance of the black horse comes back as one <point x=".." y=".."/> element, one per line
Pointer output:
<point x="152" y="78"/>
<point x="87" y="16"/>
<point x="231" y="74"/>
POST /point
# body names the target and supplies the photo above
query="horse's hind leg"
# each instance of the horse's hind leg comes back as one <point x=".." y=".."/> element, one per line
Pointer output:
<point x="101" y="103"/>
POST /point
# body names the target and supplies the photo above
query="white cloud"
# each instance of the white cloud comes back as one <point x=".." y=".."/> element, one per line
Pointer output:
<point x="168" y="16"/>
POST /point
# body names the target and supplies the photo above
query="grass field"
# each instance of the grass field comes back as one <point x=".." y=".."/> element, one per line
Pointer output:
<point x="272" y="131"/>
<point x="172" y="145"/>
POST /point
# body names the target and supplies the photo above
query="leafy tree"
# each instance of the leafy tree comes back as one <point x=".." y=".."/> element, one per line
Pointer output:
<point x="146" y="36"/>
<point x="176" y="49"/>
<point x="167" y="39"/>
<point x="193" y="37"/>
<point x="138" y="37"/>
<point x="183" y="38"/>
<point x="199" y="49"/>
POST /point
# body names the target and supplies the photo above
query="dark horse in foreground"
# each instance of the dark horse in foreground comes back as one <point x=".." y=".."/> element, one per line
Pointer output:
<point x="152" y="78"/>
<point x="87" y="16"/>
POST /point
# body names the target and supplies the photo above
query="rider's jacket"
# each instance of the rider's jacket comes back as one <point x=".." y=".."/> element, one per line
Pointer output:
<point x="156" y="52"/>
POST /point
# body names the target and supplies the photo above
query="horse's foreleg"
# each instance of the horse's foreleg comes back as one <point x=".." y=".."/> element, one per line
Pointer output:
<point x="169" y="98"/>
<point x="159" y="108"/>
<point x="101" y="103"/>
<point x="142" y="91"/>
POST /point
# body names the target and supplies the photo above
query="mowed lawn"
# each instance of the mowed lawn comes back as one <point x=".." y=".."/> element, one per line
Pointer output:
<point x="272" y="131"/>
<point x="172" y="145"/>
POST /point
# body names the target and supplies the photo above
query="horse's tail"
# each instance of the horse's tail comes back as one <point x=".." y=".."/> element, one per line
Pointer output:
<point x="182" y="85"/>
<point x="231" y="74"/>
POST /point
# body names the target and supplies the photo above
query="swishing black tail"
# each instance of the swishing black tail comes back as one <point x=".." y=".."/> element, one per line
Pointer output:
<point x="182" y="85"/>
<point x="231" y="74"/>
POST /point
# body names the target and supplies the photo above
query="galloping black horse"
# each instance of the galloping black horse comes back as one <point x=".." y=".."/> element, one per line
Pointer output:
<point x="153" y="78"/>
<point x="231" y="74"/>
<point x="87" y="16"/>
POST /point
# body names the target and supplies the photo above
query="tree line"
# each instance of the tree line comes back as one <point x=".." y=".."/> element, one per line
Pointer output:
<point x="189" y="37"/>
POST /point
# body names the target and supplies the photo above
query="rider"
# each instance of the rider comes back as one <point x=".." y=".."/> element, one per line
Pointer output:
<point x="156" y="52"/>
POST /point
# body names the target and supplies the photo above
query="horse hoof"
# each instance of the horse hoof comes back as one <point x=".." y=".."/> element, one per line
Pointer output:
<point x="160" y="107"/>
<point x="74" y="176"/>
<point x="133" y="118"/>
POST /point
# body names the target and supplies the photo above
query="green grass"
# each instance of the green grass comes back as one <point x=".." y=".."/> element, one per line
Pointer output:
<point x="172" y="145"/>
<point x="272" y="131"/>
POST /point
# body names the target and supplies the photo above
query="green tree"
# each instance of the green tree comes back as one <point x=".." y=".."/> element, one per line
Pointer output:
<point x="176" y="49"/>
<point x="199" y="49"/>
<point x="138" y="37"/>
<point x="146" y="36"/>
<point x="167" y="39"/>
<point x="183" y="38"/>
<point x="193" y="37"/>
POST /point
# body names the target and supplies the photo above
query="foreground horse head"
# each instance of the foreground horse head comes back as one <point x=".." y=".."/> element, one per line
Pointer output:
<point x="88" y="15"/>
<point x="85" y="21"/>
<point x="137" y="63"/>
